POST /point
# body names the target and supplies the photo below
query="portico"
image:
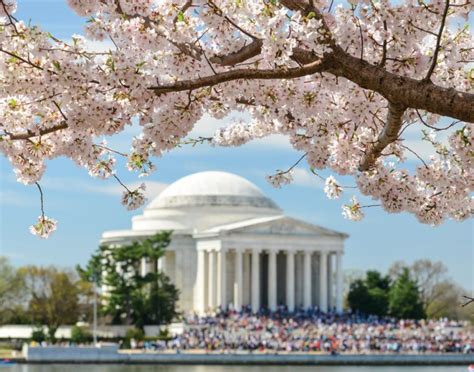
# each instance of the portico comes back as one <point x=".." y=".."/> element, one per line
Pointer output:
<point x="278" y="249"/>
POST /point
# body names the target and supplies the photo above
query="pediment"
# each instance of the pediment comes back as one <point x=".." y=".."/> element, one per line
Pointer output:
<point x="286" y="226"/>
<point x="281" y="225"/>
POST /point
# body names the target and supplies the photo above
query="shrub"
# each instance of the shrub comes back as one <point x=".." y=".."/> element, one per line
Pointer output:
<point x="38" y="335"/>
<point x="80" y="335"/>
<point x="135" y="333"/>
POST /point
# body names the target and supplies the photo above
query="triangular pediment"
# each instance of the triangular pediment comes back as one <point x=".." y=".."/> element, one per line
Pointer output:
<point x="278" y="225"/>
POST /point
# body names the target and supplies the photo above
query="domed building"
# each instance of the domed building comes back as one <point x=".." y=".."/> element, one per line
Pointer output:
<point x="232" y="246"/>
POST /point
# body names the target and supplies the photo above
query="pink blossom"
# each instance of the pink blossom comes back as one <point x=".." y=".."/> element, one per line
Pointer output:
<point x="44" y="227"/>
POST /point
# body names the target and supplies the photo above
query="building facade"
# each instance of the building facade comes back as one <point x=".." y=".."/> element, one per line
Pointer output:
<point x="232" y="247"/>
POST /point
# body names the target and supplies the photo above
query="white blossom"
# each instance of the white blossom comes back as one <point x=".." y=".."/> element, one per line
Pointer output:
<point x="353" y="210"/>
<point x="279" y="179"/>
<point x="44" y="227"/>
<point x="134" y="199"/>
<point x="332" y="189"/>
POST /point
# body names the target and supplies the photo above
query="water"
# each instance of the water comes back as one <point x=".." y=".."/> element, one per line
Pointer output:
<point x="175" y="368"/>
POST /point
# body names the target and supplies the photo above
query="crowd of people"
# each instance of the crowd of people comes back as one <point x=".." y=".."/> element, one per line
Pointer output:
<point x="315" y="331"/>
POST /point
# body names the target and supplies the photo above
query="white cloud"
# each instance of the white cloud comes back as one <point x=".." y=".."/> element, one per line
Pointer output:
<point x="302" y="177"/>
<point x="153" y="188"/>
<point x="10" y="197"/>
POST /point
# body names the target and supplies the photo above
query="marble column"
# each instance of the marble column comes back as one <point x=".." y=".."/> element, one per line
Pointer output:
<point x="290" y="280"/>
<point x="238" y="280"/>
<point x="255" y="280"/>
<point x="211" y="290"/>
<point x="143" y="267"/>
<point x="200" y="285"/>
<point x="323" y="278"/>
<point x="222" y="302"/>
<point x="162" y="264"/>
<point x="339" y="282"/>
<point x="307" y="280"/>
<point x="330" y="284"/>
<point x="272" y="280"/>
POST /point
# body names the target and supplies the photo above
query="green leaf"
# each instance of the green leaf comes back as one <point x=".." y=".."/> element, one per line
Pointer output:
<point x="57" y="65"/>
<point x="12" y="103"/>
<point x="180" y="17"/>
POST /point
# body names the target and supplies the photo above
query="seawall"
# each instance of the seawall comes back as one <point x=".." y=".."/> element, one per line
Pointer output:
<point x="111" y="355"/>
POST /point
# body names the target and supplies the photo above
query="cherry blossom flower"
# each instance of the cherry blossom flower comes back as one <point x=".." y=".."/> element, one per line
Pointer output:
<point x="332" y="189"/>
<point x="44" y="227"/>
<point x="279" y="179"/>
<point x="134" y="199"/>
<point x="353" y="210"/>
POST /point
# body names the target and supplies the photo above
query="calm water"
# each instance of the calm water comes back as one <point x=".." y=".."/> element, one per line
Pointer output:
<point x="125" y="368"/>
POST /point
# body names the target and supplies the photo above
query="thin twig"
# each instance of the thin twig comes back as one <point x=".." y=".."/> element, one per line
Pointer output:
<point x="294" y="165"/>
<point x="438" y="43"/>
<point x="121" y="183"/>
<point x="414" y="153"/>
<point x="435" y="128"/>
<point x="61" y="111"/>
<point x="471" y="299"/>
<point x="41" y="198"/>
<point x="111" y="150"/>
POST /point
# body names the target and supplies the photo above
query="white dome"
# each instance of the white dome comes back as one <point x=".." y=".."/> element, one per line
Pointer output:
<point x="203" y="200"/>
<point x="211" y="188"/>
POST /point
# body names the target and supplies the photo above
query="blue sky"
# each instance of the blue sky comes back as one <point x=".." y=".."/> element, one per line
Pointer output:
<point x="86" y="207"/>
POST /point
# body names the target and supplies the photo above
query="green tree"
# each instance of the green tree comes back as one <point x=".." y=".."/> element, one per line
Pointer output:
<point x="53" y="297"/>
<point x="404" y="298"/>
<point x="80" y="335"/>
<point x="12" y="294"/>
<point x="370" y="295"/>
<point x="132" y="298"/>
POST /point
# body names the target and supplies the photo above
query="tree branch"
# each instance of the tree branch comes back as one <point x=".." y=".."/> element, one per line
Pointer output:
<point x="254" y="74"/>
<point x="388" y="135"/>
<point x="248" y="51"/>
<point x="29" y="133"/>
<point x="438" y="42"/>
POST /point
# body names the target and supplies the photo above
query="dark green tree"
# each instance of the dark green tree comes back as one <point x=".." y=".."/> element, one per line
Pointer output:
<point x="132" y="298"/>
<point x="404" y="298"/>
<point x="370" y="295"/>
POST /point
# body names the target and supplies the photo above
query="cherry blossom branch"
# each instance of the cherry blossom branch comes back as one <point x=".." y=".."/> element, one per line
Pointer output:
<point x="221" y="14"/>
<point x="196" y="141"/>
<point x="296" y="163"/>
<point x="414" y="153"/>
<point x="316" y="174"/>
<point x="41" y="198"/>
<point x="21" y="59"/>
<point x="41" y="132"/>
<point x="384" y="47"/>
<point x="435" y="128"/>
<point x="246" y="52"/>
<point x="388" y="135"/>
<point x="11" y="19"/>
<point x="111" y="150"/>
<point x="121" y="183"/>
<point x="238" y="74"/>
<point x="434" y="61"/>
